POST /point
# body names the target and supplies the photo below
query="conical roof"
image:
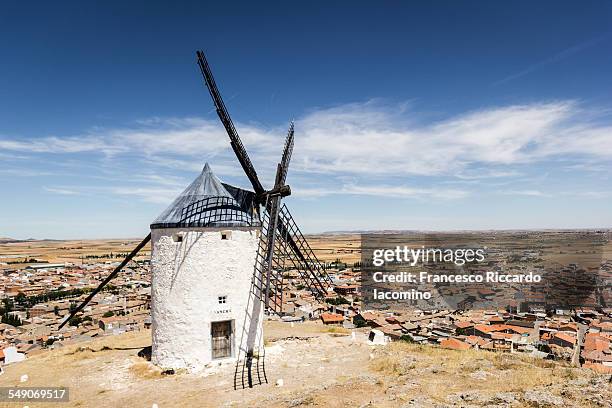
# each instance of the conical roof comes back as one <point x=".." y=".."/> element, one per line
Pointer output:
<point x="206" y="185"/>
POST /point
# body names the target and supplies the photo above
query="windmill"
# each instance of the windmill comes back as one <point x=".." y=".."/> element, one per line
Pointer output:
<point x="218" y="261"/>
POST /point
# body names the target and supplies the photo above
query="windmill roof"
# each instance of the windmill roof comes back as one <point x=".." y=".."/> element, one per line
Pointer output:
<point x="203" y="199"/>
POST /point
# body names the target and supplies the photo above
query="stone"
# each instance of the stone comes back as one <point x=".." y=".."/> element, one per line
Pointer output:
<point x="542" y="398"/>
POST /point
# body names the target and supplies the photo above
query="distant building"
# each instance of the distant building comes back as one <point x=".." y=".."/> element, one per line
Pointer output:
<point x="331" y="318"/>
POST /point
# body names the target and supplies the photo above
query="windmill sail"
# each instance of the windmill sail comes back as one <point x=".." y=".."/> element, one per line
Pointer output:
<point x="290" y="251"/>
<point x="287" y="151"/>
<point x="282" y="245"/>
<point x="302" y="255"/>
<point x="281" y="239"/>
<point x="272" y="210"/>
<point x="226" y="120"/>
<point x="105" y="282"/>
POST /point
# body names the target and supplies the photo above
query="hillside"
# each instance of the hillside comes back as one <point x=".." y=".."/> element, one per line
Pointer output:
<point x="319" y="366"/>
<point x="6" y="240"/>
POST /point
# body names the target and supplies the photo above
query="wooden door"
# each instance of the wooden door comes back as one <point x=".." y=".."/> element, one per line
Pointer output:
<point x="221" y="339"/>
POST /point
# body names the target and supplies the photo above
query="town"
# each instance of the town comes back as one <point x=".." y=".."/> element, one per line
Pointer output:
<point x="41" y="282"/>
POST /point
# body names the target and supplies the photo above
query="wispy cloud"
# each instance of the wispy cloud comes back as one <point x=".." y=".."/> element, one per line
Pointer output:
<point x="157" y="195"/>
<point x="61" y="191"/>
<point x="382" y="190"/>
<point x="381" y="145"/>
<point x="530" y="193"/>
<point x="25" y="172"/>
<point x="564" y="54"/>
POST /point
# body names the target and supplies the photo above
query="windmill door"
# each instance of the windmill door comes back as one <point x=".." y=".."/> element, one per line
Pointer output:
<point x="221" y="339"/>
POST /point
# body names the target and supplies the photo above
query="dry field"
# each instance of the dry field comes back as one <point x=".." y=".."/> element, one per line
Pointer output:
<point x="319" y="367"/>
<point x="327" y="248"/>
<point x="67" y="251"/>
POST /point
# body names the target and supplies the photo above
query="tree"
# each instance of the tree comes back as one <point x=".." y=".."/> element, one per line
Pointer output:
<point x="75" y="321"/>
<point x="108" y="314"/>
<point x="8" y="305"/>
<point x="359" y="321"/>
<point x="338" y="301"/>
<point x="12" y="320"/>
<point x="21" y="298"/>
<point x="56" y="310"/>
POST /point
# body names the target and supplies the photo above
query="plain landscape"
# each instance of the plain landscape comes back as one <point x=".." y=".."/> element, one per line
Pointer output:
<point x="308" y="363"/>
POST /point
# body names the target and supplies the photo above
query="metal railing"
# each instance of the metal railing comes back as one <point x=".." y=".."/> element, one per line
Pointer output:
<point x="216" y="211"/>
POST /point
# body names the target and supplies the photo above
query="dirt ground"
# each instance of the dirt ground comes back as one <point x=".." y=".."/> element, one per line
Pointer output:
<point x="318" y="366"/>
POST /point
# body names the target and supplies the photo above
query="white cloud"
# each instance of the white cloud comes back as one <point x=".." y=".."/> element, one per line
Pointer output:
<point x="384" y="190"/>
<point x="369" y="141"/>
<point x="374" y="142"/>
<point x="531" y="193"/>
<point x="157" y="195"/>
<point x="61" y="191"/>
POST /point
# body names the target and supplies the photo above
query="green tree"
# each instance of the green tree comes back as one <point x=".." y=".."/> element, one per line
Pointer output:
<point x="338" y="301"/>
<point x="21" y="298"/>
<point x="12" y="320"/>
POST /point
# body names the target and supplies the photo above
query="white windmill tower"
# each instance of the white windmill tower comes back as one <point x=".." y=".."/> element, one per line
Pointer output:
<point x="218" y="262"/>
<point x="201" y="274"/>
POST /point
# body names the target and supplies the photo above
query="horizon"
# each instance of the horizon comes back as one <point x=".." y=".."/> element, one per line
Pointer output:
<point x="470" y="117"/>
<point x="343" y="232"/>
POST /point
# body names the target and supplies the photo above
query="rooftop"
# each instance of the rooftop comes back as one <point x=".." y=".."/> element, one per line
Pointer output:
<point x="209" y="202"/>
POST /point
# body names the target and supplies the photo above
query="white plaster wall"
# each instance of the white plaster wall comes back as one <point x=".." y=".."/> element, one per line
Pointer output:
<point x="12" y="356"/>
<point x="188" y="277"/>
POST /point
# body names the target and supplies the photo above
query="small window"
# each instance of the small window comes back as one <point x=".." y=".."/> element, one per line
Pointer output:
<point x="177" y="237"/>
<point x="222" y="300"/>
<point x="225" y="235"/>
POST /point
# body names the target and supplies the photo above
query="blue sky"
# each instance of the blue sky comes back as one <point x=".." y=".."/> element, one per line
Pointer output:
<point x="435" y="116"/>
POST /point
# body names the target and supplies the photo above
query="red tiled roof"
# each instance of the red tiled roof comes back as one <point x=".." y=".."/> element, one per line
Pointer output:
<point x="488" y="328"/>
<point x="593" y="341"/>
<point x="596" y="355"/>
<point x="476" y="340"/>
<point x="520" y="330"/>
<point x="484" y="328"/>
<point x="500" y="336"/>
<point x="607" y="326"/>
<point x="454" y="344"/>
<point x="369" y="315"/>
<point x="565" y="336"/>
<point x="331" y="318"/>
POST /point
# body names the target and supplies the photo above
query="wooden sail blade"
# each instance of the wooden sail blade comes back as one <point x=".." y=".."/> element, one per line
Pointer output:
<point x="226" y="120"/>
<point x="281" y="176"/>
<point x="110" y="277"/>
<point x="301" y="255"/>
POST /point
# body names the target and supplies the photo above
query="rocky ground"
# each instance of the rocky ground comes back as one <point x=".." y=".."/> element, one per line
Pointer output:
<point x="312" y="365"/>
